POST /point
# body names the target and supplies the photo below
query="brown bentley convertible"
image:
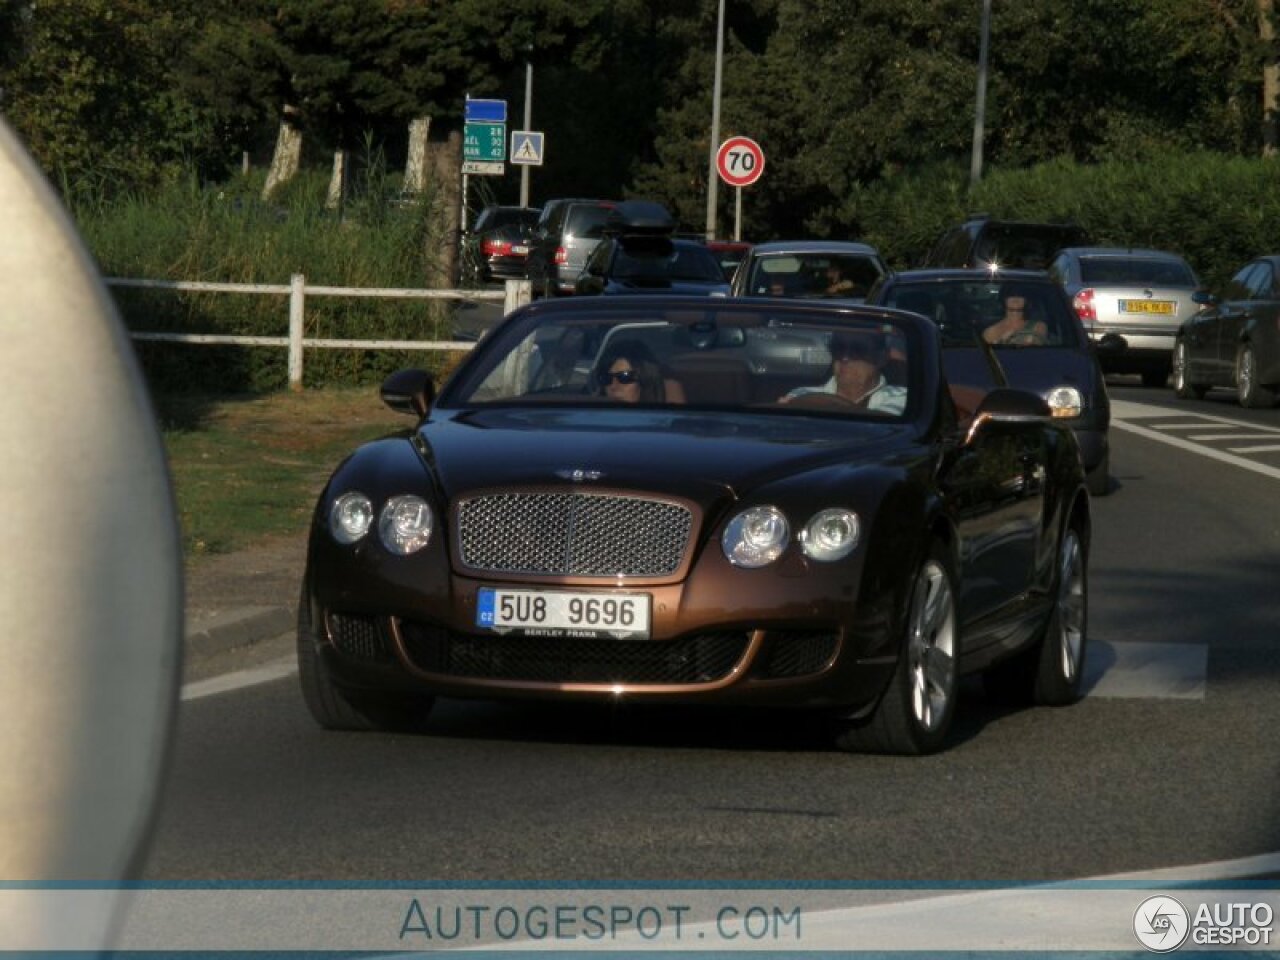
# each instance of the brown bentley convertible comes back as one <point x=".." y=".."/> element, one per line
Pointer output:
<point x="680" y="499"/>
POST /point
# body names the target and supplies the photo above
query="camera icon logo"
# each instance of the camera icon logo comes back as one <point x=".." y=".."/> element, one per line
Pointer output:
<point x="1161" y="924"/>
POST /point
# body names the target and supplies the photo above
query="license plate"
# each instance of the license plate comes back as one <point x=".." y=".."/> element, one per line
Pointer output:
<point x="520" y="250"/>
<point x="1163" y="307"/>
<point x="556" y="613"/>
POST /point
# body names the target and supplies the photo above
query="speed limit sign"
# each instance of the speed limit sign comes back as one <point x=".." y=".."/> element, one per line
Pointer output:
<point x="740" y="161"/>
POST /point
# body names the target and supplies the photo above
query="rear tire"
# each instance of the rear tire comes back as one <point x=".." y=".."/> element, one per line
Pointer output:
<point x="915" y="712"/>
<point x="1249" y="391"/>
<point x="334" y="708"/>
<point x="1183" y="385"/>
<point x="1098" y="480"/>
<point x="1051" y="672"/>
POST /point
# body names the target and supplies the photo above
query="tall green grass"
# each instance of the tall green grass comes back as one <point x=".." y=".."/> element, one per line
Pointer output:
<point x="226" y="233"/>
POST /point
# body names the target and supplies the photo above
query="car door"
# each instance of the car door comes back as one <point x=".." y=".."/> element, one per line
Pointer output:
<point x="1234" y="313"/>
<point x="997" y="483"/>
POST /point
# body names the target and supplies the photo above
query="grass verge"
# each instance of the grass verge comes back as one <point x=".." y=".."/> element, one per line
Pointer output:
<point x="247" y="468"/>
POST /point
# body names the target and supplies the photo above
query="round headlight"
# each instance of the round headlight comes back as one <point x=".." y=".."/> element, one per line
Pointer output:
<point x="756" y="537"/>
<point x="350" y="517"/>
<point x="1065" y="401"/>
<point x="405" y="524"/>
<point x="830" y="535"/>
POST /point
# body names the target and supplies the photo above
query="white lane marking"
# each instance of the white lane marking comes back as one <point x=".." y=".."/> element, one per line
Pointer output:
<point x="1183" y="426"/>
<point x="1130" y="409"/>
<point x="275" y="670"/>
<point x="1212" y="454"/>
<point x="1139" y="670"/>
<point x="1226" y="436"/>
<point x="1264" y="448"/>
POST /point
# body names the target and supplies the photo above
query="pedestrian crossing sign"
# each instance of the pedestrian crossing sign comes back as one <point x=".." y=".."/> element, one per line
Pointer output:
<point x="526" y="147"/>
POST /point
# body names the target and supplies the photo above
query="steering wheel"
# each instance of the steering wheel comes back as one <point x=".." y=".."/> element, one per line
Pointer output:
<point x="822" y="401"/>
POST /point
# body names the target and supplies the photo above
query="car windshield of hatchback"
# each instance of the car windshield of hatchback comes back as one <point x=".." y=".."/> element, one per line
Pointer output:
<point x="1009" y="313"/>
<point x="1136" y="271"/>
<point x="813" y="276"/>
<point x="775" y="362"/>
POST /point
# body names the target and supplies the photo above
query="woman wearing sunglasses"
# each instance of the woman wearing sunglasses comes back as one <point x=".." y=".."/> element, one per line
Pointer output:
<point x="628" y="373"/>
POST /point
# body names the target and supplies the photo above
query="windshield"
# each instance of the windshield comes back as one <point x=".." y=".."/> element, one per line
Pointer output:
<point x="1132" y="270"/>
<point x="1004" y="313"/>
<point x="813" y="275"/>
<point x="777" y="361"/>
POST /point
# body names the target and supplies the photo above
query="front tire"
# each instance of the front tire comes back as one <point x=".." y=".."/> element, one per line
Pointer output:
<point x="1249" y="391"/>
<point x="1183" y="386"/>
<point x="915" y="712"/>
<point x="1052" y="671"/>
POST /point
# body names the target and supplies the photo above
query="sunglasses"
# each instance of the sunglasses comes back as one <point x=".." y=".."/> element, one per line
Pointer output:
<point x="624" y="377"/>
<point x="852" y="351"/>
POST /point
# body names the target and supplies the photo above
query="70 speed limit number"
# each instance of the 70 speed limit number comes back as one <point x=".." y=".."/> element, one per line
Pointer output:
<point x="739" y="161"/>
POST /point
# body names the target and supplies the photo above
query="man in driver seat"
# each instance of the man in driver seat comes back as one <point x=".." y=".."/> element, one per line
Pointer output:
<point x="857" y="375"/>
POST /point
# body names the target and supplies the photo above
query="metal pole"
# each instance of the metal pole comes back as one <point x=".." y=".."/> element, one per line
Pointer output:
<point x="737" y="215"/>
<point x="712" y="176"/>
<point x="980" y="112"/>
<point x="528" y="125"/>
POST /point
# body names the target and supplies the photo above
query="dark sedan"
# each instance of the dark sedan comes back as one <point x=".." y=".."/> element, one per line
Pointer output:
<point x="497" y="247"/>
<point x="651" y="264"/>
<point x="1060" y="365"/>
<point x="1234" y="341"/>
<point x="555" y="525"/>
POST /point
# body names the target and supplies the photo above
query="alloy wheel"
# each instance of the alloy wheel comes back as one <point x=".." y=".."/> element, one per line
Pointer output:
<point x="1245" y="373"/>
<point x="931" y="647"/>
<point x="1180" y="367"/>
<point x="1071" y="607"/>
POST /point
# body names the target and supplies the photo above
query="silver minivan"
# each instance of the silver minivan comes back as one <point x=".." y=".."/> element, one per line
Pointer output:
<point x="563" y="240"/>
<point x="1131" y="302"/>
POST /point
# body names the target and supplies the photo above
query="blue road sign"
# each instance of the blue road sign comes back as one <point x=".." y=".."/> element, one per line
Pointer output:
<point x="490" y="111"/>
<point x="526" y="147"/>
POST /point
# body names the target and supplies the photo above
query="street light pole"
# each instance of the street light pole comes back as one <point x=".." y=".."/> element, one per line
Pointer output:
<point x="980" y="111"/>
<point x="528" y="122"/>
<point x="712" y="176"/>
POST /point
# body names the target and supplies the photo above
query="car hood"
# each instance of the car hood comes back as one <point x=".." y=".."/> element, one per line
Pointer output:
<point x="1038" y="369"/>
<point x="702" y="456"/>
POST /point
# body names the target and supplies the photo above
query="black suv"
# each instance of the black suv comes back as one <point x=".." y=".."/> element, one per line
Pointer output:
<point x="1013" y="244"/>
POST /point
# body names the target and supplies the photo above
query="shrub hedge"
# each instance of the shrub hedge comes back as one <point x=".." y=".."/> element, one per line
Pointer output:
<point x="1218" y="211"/>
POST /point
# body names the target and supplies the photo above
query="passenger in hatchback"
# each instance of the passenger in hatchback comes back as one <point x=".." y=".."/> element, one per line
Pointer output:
<point x="1017" y="325"/>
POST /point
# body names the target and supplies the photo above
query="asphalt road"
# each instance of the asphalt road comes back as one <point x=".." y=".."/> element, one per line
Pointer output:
<point x="1171" y="759"/>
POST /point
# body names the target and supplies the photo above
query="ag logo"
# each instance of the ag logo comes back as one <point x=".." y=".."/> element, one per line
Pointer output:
<point x="1161" y="924"/>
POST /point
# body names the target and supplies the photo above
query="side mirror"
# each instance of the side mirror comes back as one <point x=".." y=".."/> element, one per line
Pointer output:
<point x="1205" y="298"/>
<point x="409" y="391"/>
<point x="1007" y="405"/>
<point x="591" y="286"/>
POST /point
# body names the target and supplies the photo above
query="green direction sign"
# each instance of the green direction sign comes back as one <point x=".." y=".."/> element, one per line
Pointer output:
<point x="484" y="142"/>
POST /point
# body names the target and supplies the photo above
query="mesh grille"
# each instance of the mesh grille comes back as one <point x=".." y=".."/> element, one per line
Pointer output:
<point x="360" y="638"/>
<point x="573" y="534"/>
<point x="703" y="658"/>
<point x="795" y="653"/>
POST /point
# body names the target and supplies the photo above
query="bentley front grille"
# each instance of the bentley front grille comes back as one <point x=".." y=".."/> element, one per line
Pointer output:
<point x="573" y="534"/>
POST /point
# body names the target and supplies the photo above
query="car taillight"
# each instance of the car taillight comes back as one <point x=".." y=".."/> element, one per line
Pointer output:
<point x="1083" y="302"/>
<point x="495" y="248"/>
<point x="562" y="256"/>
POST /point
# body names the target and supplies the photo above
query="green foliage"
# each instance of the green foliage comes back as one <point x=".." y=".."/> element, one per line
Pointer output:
<point x="188" y="232"/>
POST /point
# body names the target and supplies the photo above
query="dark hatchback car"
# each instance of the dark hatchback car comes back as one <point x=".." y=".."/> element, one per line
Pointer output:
<point x="497" y="247"/>
<point x="532" y="535"/>
<point x="1234" y="341"/>
<point x="1061" y="367"/>
<point x="983" y="241"/>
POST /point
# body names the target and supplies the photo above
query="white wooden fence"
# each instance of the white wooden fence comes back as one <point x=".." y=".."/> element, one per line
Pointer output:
<point x="515" y="294"/>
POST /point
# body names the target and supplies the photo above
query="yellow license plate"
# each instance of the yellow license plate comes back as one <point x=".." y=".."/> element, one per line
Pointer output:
<point x="1165" y="307"/>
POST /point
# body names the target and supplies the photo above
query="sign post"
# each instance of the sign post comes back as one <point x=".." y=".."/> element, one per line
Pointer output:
<point x="484" y="142"/>
<point x="740" y="162"/>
